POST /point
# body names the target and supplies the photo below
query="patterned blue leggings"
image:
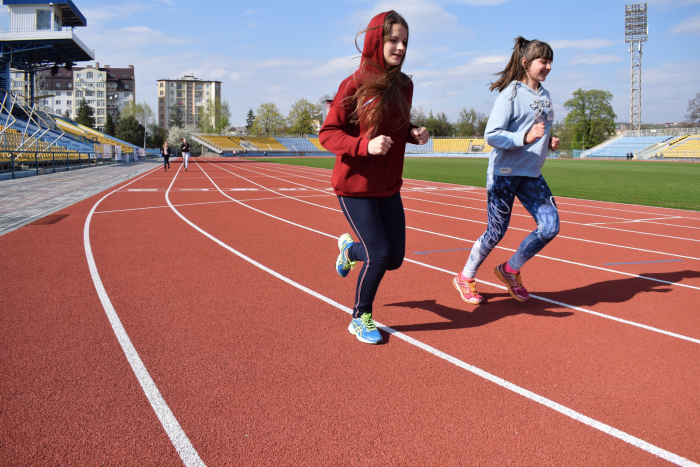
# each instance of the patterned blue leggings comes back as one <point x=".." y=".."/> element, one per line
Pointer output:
<point x="539" y="202"/>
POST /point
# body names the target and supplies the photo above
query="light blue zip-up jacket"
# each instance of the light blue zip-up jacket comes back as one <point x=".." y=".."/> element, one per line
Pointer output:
<point x="511" y="118"/>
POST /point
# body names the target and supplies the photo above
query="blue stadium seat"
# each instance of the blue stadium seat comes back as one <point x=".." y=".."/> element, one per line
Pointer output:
<point x="627" y="144"/>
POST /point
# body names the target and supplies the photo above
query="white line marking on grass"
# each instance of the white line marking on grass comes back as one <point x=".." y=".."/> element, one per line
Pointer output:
<point x="607" y="429"/>
<point x="177" y="436"/>
<point x="565" y="305"/>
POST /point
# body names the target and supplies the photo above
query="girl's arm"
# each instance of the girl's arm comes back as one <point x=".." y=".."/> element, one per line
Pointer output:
<point x="497" y="134"/>
<point x="338" y="135"/>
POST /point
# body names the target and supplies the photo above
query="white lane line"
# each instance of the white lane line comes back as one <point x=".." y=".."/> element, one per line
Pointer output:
<point x="177" y="436"/>
<point x="565" y="305"/>
<point x="514" y="214"/>
<point x="559" y="236"/>
<point x="607" y="429"/>
<point x="501" y="247"/>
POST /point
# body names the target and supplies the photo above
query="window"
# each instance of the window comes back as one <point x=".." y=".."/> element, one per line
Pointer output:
<point x="100" y="111"/>
<point x="100" y="121"/>
<point x="172" y="92"/>
<point x="69" y="85"/>
<point x="100" y="94"/>
<point x="126" y="86"/>
<point x="80" y="76"/>
<point x="69" y="94"/>
<point x="78" y="84"/>
<point x="58" y="102"/>
<point x="179" y="86"/>
<point x="89" y="93"/>
<point x="89" y="75"/>
<point x="43" y="19"/>
<point x="100" y="103"/>
<point x="179" y="94"/>
<point x="58" y="85"/>
<point x="100" y="85"/>
<point x="69" y="102"/>
<point x="91" y="102"/>
<point x="90" y="85"/>
<point x="78" y="93"/>
<point x="68" y="111"/>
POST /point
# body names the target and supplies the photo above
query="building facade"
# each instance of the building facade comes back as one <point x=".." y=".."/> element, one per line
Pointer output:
<point x="188" y="95"/>
<point x="106" y="90"/>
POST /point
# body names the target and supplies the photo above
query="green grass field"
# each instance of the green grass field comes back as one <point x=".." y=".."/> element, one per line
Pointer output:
<point x="665" y="184"/>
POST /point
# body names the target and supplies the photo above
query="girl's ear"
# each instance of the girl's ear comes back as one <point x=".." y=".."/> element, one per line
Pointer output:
<point x="523" y="61"/>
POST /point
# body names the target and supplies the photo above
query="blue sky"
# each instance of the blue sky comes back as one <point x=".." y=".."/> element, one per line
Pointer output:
<point x="274" y="51"/>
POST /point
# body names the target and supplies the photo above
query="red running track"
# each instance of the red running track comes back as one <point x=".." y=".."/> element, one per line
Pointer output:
<point x="195" y="317"/>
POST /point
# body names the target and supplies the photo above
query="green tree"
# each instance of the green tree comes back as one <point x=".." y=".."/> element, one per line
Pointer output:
<point x="481" y="125"/>
<point x="250" y="120"/>
<point x="110" y="129"/>
<point x="130" y="130"/>
<point x="268" y="120"/>
<point x="85" y="115"/>
<point x="438" y="124"/>
<point x="216" y="117"/>
<point x="591" y="117"/>
<point x="693" y="115"/>
<point x="156" y="136"/>
<point x="301" y="117"/>
<point x="66" y="114"/>
<point x="175" y="118"/>
<point x="469" y="123"/>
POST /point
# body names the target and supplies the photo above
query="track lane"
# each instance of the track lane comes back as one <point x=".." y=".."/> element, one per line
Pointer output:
<point x="265" y="229"/>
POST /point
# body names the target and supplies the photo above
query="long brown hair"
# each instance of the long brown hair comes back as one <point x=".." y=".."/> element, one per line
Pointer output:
<point x="515" y="71"/>
<point x="382" y="85"/>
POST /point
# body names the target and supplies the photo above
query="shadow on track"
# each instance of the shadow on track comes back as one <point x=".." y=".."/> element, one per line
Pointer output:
<point x="615" y="291"/>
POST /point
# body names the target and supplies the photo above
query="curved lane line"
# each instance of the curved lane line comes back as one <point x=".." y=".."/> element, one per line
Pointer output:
<point x="177" y="436"/>
<point x="472" y="241"/>
<point x="607" y="429"/>
<point x="538" y="297"/>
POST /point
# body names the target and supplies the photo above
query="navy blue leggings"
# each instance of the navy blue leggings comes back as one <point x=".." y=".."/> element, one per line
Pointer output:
<point x="380" y="226"/>
<point x="536" y="197"/>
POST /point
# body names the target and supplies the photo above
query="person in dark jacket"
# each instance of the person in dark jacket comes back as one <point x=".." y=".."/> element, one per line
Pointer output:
<point x="185" y="149"/>
<point x="367" y="128"/>
<point x="166" y="151"/>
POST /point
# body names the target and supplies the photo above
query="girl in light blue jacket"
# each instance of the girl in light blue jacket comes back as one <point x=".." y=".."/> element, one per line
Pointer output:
<point x="519" y="131"/>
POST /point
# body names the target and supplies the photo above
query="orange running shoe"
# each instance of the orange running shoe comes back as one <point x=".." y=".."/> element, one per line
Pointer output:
<point x="515" y="284"/>
<point x="467" y="290"/>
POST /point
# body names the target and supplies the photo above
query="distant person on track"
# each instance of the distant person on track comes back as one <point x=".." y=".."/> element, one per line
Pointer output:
<point x="185" y="149"/>
<point x="367" y="128"/>
<point x="519" y="131"/>
<point x="166" y="151"/>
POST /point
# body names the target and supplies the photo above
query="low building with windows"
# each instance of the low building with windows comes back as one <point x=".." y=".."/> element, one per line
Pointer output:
<point x="105" y="89"/>
<point x="188" y="95"/>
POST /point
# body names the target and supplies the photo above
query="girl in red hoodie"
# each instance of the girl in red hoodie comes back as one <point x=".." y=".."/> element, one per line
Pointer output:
<point x="367" y="128"/>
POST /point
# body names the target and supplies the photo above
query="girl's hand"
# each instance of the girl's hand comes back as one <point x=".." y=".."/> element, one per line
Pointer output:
<point x="535" y="133"/>
<point x="553" y="143"/>
<point x="421" y="134"/>
<point x="379" y="145"/>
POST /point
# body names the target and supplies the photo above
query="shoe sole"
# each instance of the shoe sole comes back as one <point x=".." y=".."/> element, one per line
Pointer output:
<point x="461" y="295"/>
<point x="510" y="290"/>
<point x="351" y="328"/>
<point x="340" y="246"/>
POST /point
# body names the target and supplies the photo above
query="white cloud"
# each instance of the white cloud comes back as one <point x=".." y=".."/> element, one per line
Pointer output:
<point x="103" y="13"/>
<point x="480" y="2"/>
<point x="588" y="44"/>
<point x="593" y="59"/>
<point x="422" y="16"/>
<point x="689" y="26"/>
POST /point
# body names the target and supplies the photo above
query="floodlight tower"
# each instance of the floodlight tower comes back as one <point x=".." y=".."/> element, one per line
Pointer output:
<point x="636" y="32"/>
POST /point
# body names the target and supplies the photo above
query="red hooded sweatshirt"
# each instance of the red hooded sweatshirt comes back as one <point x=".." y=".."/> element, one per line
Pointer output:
<point x="356" y="172"/>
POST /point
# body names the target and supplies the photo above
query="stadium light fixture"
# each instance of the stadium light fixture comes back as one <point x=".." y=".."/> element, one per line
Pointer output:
<point x="636" y="32"/>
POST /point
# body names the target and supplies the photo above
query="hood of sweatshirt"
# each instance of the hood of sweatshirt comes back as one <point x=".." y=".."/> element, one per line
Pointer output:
<point x="373" y="49"/>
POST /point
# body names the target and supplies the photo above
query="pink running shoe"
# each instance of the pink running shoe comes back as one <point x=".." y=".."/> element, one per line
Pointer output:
<point x="467" y="290"/>
<point x="514" y="282"/>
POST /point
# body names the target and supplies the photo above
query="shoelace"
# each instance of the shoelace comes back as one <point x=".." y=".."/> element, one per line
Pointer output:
<point x="513" y="279"/>
<point x="368" y="322"/>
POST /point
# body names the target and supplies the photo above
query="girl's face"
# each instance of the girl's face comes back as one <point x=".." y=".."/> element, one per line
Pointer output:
<point x="395" y="46"/>
<point x="538" y="69"/>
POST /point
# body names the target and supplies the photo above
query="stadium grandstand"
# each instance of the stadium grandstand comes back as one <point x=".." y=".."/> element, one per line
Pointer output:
<point x="673" y="144"/>
<point x="227" y="145"/>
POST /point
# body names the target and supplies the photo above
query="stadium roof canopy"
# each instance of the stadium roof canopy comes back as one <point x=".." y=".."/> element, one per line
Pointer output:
<point x="70" y="13"/>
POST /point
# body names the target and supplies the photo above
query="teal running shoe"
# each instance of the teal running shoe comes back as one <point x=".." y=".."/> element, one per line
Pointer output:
<point x="343" y="265"/>
<point x="365" y="330"/>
